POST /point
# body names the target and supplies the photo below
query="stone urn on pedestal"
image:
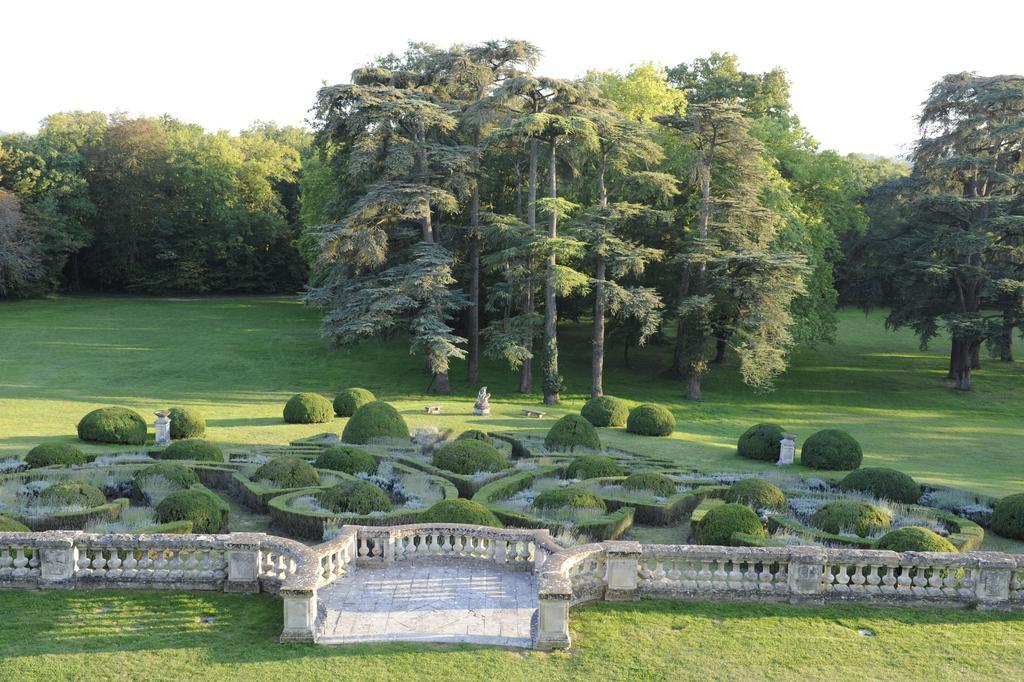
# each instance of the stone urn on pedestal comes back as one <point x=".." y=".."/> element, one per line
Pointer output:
<point x="482" y="408"/>
<point x="162" y="428"/>
<point x="787" y="449"/>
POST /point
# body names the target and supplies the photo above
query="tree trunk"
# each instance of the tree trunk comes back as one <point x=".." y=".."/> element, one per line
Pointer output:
<point x="597" y="357"/>
<point x="441" y="384"/>
<point x="473" y="317"/>
<point x="719" y="351"/>
<point x="693" y="387"/>
<point x="526" y="371"/>
<point x="976" y="356"/>
<point x="962" y="354"/>
<point x="679" y="352"/>
<point x="552" y="381"/>
<point x="1006" y="342"/>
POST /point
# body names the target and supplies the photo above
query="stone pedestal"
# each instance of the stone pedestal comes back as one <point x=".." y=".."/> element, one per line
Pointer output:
<point x="992" y="585"/>
<point x="299" y="615"/>
<point x="58" y="557"/>
<point x="552" y="622"/>
<point x="162" y="428"/>
<point x="806" y="572"/>
<point x="243" y="553"/>
<point x="787" y="449"/>
<point x="622" y="558"/>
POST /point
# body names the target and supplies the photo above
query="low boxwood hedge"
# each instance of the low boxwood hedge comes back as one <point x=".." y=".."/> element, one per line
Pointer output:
<point x="287" y="472"/>
<point x="375" y="420"/>
<point x="207" y="512"/>
<point x="73" y="494"/>
<point x="9" y="525"/>
<point x="50" y="454"/>
<point x="186" y="423"/>
<point x="171" y="471"/>
<point x="349" y="400"/>
<point x="593" y="466"/>
<point x="460" y="511"/>
<point x="348" y="459"/>
<point x="831" y="450"/>
<point x="652" y="482"/>
<point x="860" y="518"/>
<point x="354" y="497"/>
<point x="571" y="432"/>
<point x="308" y="408"/>
<point x="605" y="410"/>
<point x="761" y="442"/>
<point x="568" y="498"/>
<point x="116" y="425"/>
<point x="757" y="493"/>
<point x="651" y="420"/>
<point x="469" y="457"/>
<point x="1008" y="517"/>
<point x="475" y="434"/>
<point x="885" y="484"/>
<point x="914" y="539"/>
<point x="193" y="449"/>
<point x="718" y="525"/>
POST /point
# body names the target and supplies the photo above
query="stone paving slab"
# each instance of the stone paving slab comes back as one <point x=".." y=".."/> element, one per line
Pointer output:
<point x="470" y="603"/>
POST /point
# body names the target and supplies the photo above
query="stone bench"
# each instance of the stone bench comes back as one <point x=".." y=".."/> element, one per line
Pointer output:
<point x="432" y="409"/>
<point x="533" y="414"/>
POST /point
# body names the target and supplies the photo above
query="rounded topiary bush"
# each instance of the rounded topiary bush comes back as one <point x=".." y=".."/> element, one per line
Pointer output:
<point x="651" y="481"/>
<point x="49" y="454"/>
<point x="850" y="516"/>
<point x="9" y="525"/>
<point x="475" y="434"/>
<point x="570" y="432"/>
<point x="562" y="498"/>
<point x="605" y="410"/>
<point x="593" y="466"/>
<point x="348" y="459"/>
<point x="375" y="420"/>
<point x="761" y="442"/>
<point x="460" y="511"/>
<point x="885" y="484"/>
<point x="308" y="408"/>
<point x="915" y="539"/>
<point x="721" y="523"/>
<point x="186" y="423"/>
<point x="469" y="457"/>
<point x="351" y="399"/>
<point x="355" y="497"/>
<point x="171" y="471"/>
<point x="117" y="425"/>
<point x="194" y="449"/>
<point x="831" y="449"/>
<point x="756" y="493"/>
<point x="651" y="420"/>
<point x="207" y="513"/>
<point x="1008" y="517"/>
<point x="72" y="494"/>
<point x="288" y="472"/>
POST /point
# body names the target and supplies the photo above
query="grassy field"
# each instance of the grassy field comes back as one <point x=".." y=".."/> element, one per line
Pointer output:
<point x="238" y="360"/>
<point x="101" y="635"/>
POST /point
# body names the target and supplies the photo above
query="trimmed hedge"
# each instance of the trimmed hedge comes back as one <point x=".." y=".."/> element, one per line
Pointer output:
<point x="186" y="423"/>
<point x="475" y="434"/>
<point x="347" y="459"/>
<point x="288" y="472"/>
<point x="308" y="408"/>
<point x="560" y="498"/>
<point x="570" y="432"/>
<point x="460" y="511"/>
<point x="375" y="420"/>
<point x="651" y="420"/>
<point x="886" y="484"/>
<point x="593" y="466"/>
<point x="171" y="527"/>
<point x="605" y="410"/>
<point x="117" y="425"/>
<point x="659" y="484"/>
<point x="354" y="497"/>
<point x="468" y="457"/>
<point x="73" y="494"/>
<point x="349" y="400"/>
<point x="760" y="442"/>
<point x="719" y="524"/>
<point x="9" y="525"/>
<point x="519" y="451"/>
<point x="915" y="539"/>
<point x="194" y="449"/>
<point x="1008" y="517"/>
<point x="850" y="515"/>
<point x="207" y="512"/>
<point x="757" y="493"/>
<point x="831" y="450"/>
<point x="49" y="454"/>
<point x="172" y="471"/>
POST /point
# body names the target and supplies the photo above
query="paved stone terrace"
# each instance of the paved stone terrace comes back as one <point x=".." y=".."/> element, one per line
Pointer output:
<point x="469" y="603"/>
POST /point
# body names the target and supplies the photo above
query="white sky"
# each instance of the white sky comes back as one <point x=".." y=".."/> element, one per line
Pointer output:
<point x="859" y="68"/>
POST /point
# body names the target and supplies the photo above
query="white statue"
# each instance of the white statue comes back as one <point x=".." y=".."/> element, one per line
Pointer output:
<point x="483" y="405"/>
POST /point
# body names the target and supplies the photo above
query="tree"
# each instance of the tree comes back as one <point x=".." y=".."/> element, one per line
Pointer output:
<point x="19" y="247"/>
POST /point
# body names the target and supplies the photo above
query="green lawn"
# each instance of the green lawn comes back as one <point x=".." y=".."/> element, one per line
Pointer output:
<point x="238" y="360"/>
<point x="100" y="635"/>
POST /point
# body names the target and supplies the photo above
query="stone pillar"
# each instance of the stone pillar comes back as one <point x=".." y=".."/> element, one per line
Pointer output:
<point x="787" y="449"/>
<point x="299" y="615"/>
<point x="243" y="555"/>
<point x="621" y="577"/>
<point x="162" y="429"/>
<point x="807" y="567"/>
<point x="552" y="621"/>
<point x="992" y="582"/>
<point x="58" y="557"/>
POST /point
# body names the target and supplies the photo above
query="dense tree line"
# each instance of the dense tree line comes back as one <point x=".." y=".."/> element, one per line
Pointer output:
<point x="110" y="203"/>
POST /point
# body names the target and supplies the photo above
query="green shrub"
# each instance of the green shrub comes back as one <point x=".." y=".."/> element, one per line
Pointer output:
<point x="605" y="410"/>
<point x="172" y="471"/>
<point x="1008" y="517"/>
<point x="375" y="420"/>
<point x="460" y="511"/>
<point x="73" y="494"/>
<point x="469" y="457"/>
<point x="355" y="497"/>
<point x="475" y="434"/>
<point x="519" y="451"/>
<point x="186" y="423"/>
<point x="308" y="408"/>
<point x="9" y="525"/>
<point x="288" y="472"/>
<point x="885" y="484"/>
<point x="351" y="399"/>
<point x="172" y="528"/>
<point x="117" y="425"/>
<point x="561" y="498"/>
<point x="756" y="493"/>
<point x="850" y="516"/>
<point x="760" y="442"/>
<point x="914" y="539"/>
<point x="570" y="432"/>
<point x="719" y="524"/>
<point x="651" y="481"/>
<point x="832" y="450"/>
<point x="348" y="459"/>
<point x="593" y="466"/>
<point x="207" y="512"/>
<point x="194" y="449"/>
<point x="651" y="420"/>
<point x="48" y="454"/>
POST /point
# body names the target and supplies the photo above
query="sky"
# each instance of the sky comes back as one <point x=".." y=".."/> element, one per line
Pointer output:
<point x="859" y="70"/>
